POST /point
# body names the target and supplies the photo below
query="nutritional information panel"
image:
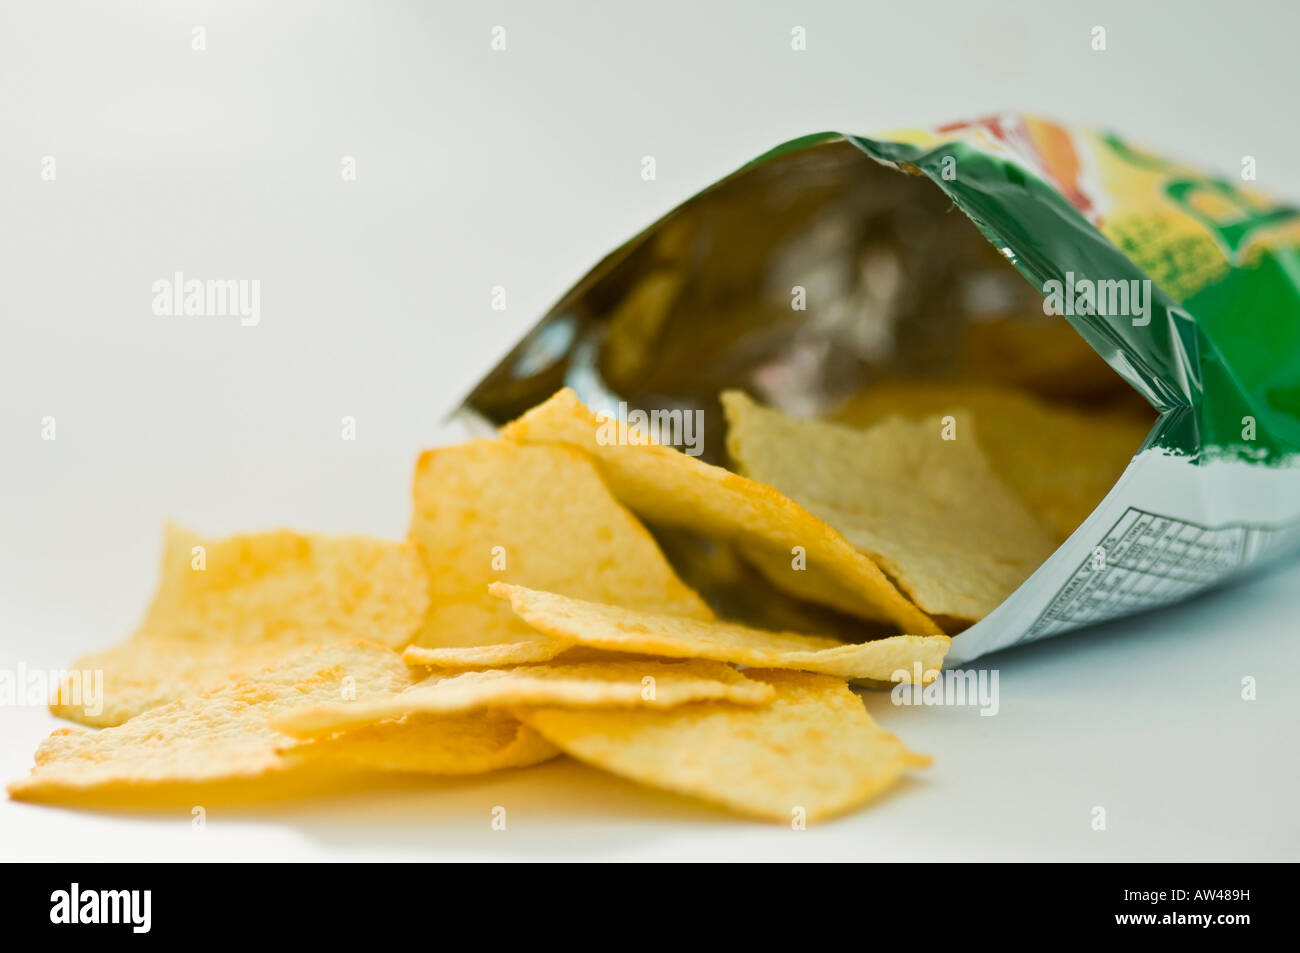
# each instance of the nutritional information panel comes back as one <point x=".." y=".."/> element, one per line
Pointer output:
<point x="1147" y="560"/>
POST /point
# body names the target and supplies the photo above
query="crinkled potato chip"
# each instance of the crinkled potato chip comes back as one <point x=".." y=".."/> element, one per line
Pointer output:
<point x="217" y="736"/>
<point x="665" y="486"/>
<point x="811" y="753"/>
<point x="738" y="592"/>
<point x="1038" y="353"/>
<point x="521" y="650"/>
<point x="1061" y="461"/>
<point x="143" y="673"/>
<point x="257" y="587"/>
<point x="228" y="607"/>
<point x="616" y="629"/>
<point x="491" y="510"/>
<point x="431" y="744"/>
<point x="927" y="508"/>
<point x="637" y="321"/>
<point x="653" y="683"/>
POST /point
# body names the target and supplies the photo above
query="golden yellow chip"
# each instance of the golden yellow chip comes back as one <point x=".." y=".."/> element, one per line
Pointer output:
<point x="637" y="321"/>
<point x="798" y="552"/>
<point x="490" y="510"/>
<point x="653" y="683"/>
<point x="431" y="744"/>
<point x="739" y="592"/>
<point x="1061" y="461"/>
<point x="228" y="607"/>
<point x="212" y="737"/>
<point x="616" y="629"/>
<point x="261" y="586"/>
<point x="1036" y="353"/>
<point x="143" y="673"/>
<point x="811" y="753"/>
<point x="917" y="497"/>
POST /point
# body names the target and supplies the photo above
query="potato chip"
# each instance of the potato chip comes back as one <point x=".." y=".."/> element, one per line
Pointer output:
<point x="261" y="586"/>
<point x="228" y="607"/>
<point x="924" y="505"/>
<point x="1038" y="353"/>
<point x="431" y="744"/>
<point x="616" y="629"/>
<point x="738" y="592"/>
<point x="1060" y="461"/>
<point x="143" y="673"/>
<point x="653" y="683"/>
<point x="217" y="736"/>
<point x="491" y="510"/>
<point x="811" y="753"/>
<point x="637" y="321"/>
<point x="670" y="488"/>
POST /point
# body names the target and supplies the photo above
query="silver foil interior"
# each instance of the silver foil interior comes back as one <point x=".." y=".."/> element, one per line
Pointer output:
<point x="887" y="270"/>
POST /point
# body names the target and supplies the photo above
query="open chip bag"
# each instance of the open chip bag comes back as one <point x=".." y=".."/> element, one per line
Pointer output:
<point x="1120" y="332"/>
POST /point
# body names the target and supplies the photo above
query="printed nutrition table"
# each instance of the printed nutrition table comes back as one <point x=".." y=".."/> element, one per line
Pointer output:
<point x="1147" y="560"/>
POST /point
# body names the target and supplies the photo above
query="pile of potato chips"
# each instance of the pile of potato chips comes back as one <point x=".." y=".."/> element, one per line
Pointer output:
<point x="533" y="612"/>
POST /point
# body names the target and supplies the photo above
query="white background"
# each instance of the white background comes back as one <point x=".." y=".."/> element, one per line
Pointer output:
<point x="521" y="168"/>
